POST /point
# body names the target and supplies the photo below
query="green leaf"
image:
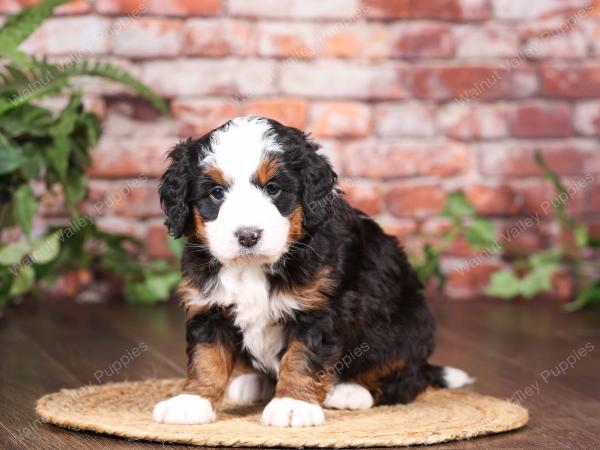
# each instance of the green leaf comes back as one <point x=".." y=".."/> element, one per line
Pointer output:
<point x="590" y="296"/>
<point x="11" y="157"/>
<point x="504" y="284"/>
<point x="58" y="156"/>
<point x="34" y="161"/>
<point x="538" y="280"/>
<point x="13" y="253"/>
<point x="67" y="118"/>
<point x="458" y="206"/>
<point x="176" y="245"/>
<point x="582" y="236"/>
<point x="25" y="207"/>
<point x="481" y="233"/>
<point x="23" y="281"/>
<point x="75" y="189"/>
<point x="152" y="289"/>
<point x="45" y="249"/>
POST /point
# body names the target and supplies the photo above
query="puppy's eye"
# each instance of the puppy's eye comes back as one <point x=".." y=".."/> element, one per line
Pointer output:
<point x="272" y="189"/>
<point x="217" y="193"/>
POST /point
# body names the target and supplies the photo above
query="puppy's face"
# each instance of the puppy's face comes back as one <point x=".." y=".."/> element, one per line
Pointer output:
<point x="246" y="190"/>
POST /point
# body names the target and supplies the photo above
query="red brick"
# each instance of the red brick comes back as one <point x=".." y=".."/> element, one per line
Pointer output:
<point x="367" y="197"/>
<point x="297" y="9"/>
<point x="485" y="41"/>
<point x="491" y="200"/>
<point x="289" y="111"/>
<point x="436" y="226"/>
<point x="340" y="119"/>
<point x="70" y="36"/>
<point x="218" y="37"/>
<point x="470" y="283"/>
<point x="72" y="7"/>
<point x="136" y="198"/>
<point x="538" y="9"/>
<point x="348" y="80"/>
<point x="390" y="160"/>
<point x="531" y="196"/>
<point x="541" y="119"/>
<point x="415" y="200"/>
<point x="520" y="240"/>
<point x="123" y="158"/>
<point x="146" y="37"/>
<point x="474" y="121"/>
<point x="473" y="82"/>
<point x="576" y="81"/>
<point x="287" y="40"/>
<point x="415" y="40"/>
<point x="517" y="159"/>
<point x="571" y="44"/>
<point x="400" y="228"/>
<point x="409" y="118"/>
<point x="189" y="77"/>
<point x="160" y="7"/>
<point x="360" y="40"/>
<point x="156" y="242"/>
<point x="587" y="118"/>
<point x="197" y="117"/>
<point x="119" y="225"/>
<point x="431" y="9"/>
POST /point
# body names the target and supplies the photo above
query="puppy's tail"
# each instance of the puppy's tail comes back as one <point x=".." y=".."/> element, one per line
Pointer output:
<point x="449" y="377"/>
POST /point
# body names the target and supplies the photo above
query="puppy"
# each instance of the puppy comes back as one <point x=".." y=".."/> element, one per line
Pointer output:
<point x="282" y="280"/>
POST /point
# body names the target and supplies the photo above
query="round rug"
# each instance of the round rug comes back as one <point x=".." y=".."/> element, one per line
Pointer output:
<point x="125" y="410"/>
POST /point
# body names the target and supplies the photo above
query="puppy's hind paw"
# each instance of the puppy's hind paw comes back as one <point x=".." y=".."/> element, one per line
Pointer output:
<point x="184" y="409"/>
<point x="250" y="388"/>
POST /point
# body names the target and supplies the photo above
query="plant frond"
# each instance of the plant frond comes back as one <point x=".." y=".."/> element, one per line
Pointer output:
<point x="19" y="27"/>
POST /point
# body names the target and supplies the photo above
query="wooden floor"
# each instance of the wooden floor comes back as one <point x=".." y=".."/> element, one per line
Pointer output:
<point x="509" y="347"/>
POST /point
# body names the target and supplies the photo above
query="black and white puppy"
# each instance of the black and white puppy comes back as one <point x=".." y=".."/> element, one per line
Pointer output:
<point x="304" y="296"/>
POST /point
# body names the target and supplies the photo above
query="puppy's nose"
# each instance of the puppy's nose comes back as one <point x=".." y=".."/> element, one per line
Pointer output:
<point x="248" y="236"/>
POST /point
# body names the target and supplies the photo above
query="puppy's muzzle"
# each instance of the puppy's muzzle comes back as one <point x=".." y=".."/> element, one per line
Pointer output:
<point x="248" y="236"/>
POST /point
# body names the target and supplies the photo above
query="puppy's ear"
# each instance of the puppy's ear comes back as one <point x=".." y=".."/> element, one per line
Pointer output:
<point x="318" y="179"/>
<point x="174" y="189"/>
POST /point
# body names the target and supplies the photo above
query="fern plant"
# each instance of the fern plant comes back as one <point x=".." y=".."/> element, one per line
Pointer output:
<point x="40" y="149"/>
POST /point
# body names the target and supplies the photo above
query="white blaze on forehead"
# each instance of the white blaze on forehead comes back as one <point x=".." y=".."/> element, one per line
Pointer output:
<point x="238" y="149"/>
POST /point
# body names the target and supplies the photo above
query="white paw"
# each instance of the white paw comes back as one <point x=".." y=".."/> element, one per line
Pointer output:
<point x="456" y="378"/>
<point x="184" y="409"/>
<point x="250" y="388"/>
<point x="348" y="396"/>
<point x="289" y="412"/>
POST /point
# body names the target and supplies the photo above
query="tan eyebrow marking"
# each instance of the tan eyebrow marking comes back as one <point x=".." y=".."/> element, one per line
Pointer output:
<point x="267" y="169"/>
<point x="217" y="176"/>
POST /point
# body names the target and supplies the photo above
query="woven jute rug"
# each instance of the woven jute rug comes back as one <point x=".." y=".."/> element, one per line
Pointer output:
<point x="125" y="409"/>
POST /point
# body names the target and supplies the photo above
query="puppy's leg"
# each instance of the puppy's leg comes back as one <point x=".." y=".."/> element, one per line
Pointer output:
<point x="210" y="348"/>
<point x="299" y="393"/>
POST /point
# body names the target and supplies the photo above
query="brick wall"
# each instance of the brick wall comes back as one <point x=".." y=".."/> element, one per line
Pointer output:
<point x="410" y="98"/>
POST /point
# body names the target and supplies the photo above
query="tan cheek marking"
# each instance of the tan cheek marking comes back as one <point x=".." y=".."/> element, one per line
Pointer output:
<point x="209" y="369"/>
<point x="296" y="380"/>
<point x="199" y="225"/>
<point x="296" y="230"/>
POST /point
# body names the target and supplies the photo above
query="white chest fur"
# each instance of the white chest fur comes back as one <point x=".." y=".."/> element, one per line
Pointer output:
<point x="246" y="290"/>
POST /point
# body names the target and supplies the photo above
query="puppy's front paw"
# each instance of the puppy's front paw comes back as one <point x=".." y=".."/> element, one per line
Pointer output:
<point x="184" y="409"/>
<point x="289" y="412"/>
